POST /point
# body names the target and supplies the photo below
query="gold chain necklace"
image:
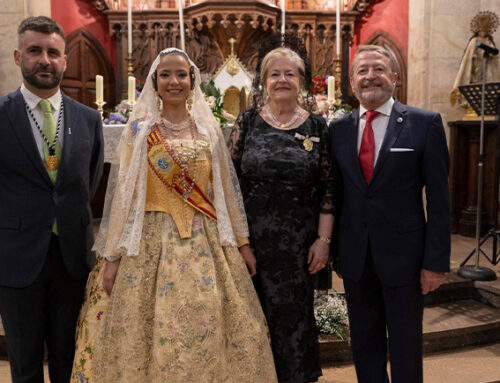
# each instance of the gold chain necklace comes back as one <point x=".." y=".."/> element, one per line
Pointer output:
<point x="176" y="128"/>
<point x="281" y="124"/>
<point x="186" y="192"/>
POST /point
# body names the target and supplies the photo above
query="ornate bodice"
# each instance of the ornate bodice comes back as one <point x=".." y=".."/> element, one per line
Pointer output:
<point x="159" y="197"/>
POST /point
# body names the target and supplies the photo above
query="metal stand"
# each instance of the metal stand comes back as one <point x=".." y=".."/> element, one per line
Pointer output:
<point x="476" y="272"/>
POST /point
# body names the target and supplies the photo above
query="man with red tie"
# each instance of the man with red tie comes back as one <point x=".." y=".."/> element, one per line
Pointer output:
<point x="391" y="247"/>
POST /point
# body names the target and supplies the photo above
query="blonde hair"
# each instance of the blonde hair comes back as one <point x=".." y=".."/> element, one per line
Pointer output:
<point x="374" y="48"/>
<point x="278" y="53"/>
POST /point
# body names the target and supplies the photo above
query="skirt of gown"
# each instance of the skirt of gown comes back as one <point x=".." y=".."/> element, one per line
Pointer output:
<point x="183" y="310"/>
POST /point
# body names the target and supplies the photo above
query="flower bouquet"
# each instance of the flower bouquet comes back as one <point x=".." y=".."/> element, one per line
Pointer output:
<point x="214" y="100"/>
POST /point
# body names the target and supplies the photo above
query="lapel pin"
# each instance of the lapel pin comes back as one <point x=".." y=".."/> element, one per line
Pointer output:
<point x="69" y="131"/>
<point x="400" y="119"/>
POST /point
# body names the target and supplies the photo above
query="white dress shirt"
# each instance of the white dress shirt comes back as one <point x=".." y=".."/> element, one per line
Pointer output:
<point x="379" y="125"/>
<point x="32" y="100"/>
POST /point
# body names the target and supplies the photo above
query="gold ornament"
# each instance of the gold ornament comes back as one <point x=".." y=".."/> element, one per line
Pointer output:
<point x="485" y="22"/>
<point x="308" y="144"/>
<point x="52" y="162"/>
<point x="232" y="67"/>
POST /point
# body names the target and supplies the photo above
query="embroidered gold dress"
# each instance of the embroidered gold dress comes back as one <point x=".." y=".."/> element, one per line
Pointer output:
<point x="184" y="309"/>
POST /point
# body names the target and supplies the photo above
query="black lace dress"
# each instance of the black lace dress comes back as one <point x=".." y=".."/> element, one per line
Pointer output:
<point x="285" y="187"/>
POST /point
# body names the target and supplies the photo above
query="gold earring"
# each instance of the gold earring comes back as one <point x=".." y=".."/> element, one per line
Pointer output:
<point x="159" y="102"/>
<point x="300" y="99"/>
<point x="189" y="102"/>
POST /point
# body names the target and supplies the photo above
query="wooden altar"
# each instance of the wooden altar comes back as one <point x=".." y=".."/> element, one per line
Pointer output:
<point x="211" y="23"/>
<point x="464" y="152"/>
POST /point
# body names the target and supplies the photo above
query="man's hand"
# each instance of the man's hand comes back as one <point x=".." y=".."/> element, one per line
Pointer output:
<point x="247" y="254"/>
<point x="110" y="271"/>
<point x="430" y="280"/>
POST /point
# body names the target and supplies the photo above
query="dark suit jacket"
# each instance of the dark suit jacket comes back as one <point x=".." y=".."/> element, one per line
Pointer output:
<point x="387" y="215"/>
<point x="30" y="201"/>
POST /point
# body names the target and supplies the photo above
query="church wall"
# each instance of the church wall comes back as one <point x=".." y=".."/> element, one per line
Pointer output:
<point x="390" y="16"/>
<point x="439" y="33"/>
<point x="13" y="12"/>
<point x="72" y="15"/>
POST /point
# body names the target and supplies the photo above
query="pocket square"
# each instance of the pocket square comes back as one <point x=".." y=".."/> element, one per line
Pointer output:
<point x="402" y="150"/>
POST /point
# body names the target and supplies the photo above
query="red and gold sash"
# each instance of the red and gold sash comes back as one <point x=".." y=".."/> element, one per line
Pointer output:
<point x="169" y="171"/>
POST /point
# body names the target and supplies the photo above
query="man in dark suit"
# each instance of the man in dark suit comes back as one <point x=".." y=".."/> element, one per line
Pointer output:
<point x="50" y="164"/>
<point x="392" y="247"/>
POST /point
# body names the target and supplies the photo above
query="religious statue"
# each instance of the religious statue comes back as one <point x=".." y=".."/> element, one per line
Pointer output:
<point x="483" y="25"/>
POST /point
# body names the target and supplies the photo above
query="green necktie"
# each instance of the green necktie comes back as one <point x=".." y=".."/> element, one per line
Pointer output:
<point x="49" y="130"/>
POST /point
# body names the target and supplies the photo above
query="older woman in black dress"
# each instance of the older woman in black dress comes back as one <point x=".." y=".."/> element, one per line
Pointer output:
<point x="281" y="155"/>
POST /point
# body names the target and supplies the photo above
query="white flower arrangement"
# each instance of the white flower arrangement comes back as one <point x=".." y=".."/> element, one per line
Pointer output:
<point x="330" y="311"/>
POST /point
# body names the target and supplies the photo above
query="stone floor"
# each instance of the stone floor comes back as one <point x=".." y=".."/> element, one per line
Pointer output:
<point x="470" y="365"/>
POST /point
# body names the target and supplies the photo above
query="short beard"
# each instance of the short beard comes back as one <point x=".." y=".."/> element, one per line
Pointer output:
<point x="374" y="97"/>
<point x="51" y="82"/>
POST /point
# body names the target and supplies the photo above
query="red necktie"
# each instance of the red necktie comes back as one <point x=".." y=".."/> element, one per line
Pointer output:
<point x="367" y="148"/>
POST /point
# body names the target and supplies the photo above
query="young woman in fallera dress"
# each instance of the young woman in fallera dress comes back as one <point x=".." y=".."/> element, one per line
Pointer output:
<point x="174" y="252"/>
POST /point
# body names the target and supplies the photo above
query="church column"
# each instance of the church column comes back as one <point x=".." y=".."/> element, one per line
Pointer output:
<point x="10" y="17"/>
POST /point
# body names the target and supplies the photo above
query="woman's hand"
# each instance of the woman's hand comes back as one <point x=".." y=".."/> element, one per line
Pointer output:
<point x="110" y="271"/>
<point x="247" y="254"/>
<point x="318" y="256"/>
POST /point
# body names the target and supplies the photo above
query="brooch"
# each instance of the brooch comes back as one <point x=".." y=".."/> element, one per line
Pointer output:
<point x="307" y="141"/>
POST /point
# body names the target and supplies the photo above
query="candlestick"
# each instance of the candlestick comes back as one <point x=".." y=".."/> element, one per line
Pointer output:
<point x="129" y="22"/>
<point x="337" y="21"/>
<point x="131" y="89"/>
<point x="331" y="89"/>
<point x="100" y="109"/>
<point x="181" y="25"/>
<point x="130" y="67"/>
<point x="338" y="78"/>
<point x="331" y="110"/>
<point x="99" y="96"/>
<point x="283" y="13"/>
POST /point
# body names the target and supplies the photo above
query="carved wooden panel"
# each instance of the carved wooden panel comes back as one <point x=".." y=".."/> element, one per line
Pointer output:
<point x="86" y="58"/>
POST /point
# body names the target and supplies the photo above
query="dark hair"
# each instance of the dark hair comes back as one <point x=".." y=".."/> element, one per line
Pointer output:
<point x="154" y="76"/>
<point x="40" y="24"/>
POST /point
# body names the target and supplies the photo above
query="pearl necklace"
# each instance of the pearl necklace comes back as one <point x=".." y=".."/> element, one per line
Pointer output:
<point x="281" y="124"/>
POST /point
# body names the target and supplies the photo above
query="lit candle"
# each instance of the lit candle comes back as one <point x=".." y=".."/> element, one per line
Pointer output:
<point x="331" y="89"/>
<point x="181" y="25"/>
<point x="131" y="89"/>
<point x="283" y="17"/>
<point x="337" y="20"/>
<point x="99" y="97"/>
<point x="129" y="21"/>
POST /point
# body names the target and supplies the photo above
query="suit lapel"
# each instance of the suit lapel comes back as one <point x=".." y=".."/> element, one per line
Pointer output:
<point x="70" y="117"/>
<point x="397" y="121"/>
<point x="21" y="125"/>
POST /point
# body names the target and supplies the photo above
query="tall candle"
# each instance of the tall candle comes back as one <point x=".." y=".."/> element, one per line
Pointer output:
<point x="331" y="89"/>
<point x="283" y="4"/>
<point x="181" y="25"/>
<point x="337" y="20"/>
<point x="131" y="89"/>
<point x="129" y="22"/>
<point x="99" y="96"/>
